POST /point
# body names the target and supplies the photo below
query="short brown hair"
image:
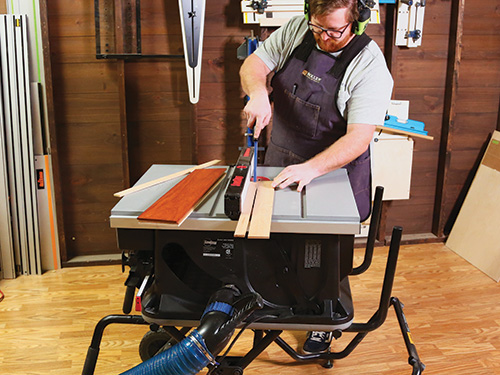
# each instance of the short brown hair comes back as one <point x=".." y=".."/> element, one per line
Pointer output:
<point x="321" y="7"/>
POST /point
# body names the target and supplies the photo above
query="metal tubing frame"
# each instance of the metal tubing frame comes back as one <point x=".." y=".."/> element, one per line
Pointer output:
<point x="372" y="232"/>
<point x="93" y="351"/>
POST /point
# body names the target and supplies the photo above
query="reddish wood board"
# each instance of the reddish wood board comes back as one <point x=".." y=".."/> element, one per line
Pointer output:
<point x="179" y="201"/>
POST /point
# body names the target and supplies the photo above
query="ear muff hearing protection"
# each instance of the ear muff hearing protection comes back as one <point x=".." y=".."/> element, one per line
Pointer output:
<point x="359" y="26"/>
<point x="306" y="10"/>
<point x="364" y="16"/>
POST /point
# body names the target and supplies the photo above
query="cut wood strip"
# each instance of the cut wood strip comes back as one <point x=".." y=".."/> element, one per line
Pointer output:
<point x="178" y="202"/>
<point x="145" y="185"/>
<point x="246" y="211"/>
<point x="260" y="225"/>
<point x="397" y="131"/>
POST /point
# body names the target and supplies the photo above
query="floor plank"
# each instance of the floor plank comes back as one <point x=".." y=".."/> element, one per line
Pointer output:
<point x="46" y="322"/>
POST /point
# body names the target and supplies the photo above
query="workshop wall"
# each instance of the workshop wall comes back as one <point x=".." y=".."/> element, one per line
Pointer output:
<point x="163" y="127"/>
<point x="474" y="112"/>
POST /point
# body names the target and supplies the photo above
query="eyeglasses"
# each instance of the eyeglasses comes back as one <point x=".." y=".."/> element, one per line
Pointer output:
<point x="334" y="34"/>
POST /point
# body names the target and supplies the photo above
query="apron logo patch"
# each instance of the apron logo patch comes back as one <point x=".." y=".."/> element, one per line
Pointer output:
<point x="311" y="76"/>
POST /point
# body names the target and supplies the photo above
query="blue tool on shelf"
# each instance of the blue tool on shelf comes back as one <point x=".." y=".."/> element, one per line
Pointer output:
<point x="387" y="1"/>
<point x="411" y="126"/>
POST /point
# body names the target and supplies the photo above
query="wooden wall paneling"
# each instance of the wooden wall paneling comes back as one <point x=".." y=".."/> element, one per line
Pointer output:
<point x="73" y="18"/>
<point x="159" y="142"/>
<point x="452" y="80"/>
<point x="477" y="95"/>
<point x="87" y="114"/>
<point x="419" y="77"/>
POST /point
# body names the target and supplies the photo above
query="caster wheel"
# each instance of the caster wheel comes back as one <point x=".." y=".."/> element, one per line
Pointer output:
<point x="155" y="342"/>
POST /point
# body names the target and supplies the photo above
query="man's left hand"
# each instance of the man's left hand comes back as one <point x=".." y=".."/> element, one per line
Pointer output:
<point x="302" y="174"/>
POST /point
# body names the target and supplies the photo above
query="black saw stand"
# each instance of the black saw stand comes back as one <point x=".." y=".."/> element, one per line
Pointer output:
<point x="303" y="279"/>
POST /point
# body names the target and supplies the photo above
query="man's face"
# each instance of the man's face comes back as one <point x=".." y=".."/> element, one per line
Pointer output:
<point x="335" y="20"/>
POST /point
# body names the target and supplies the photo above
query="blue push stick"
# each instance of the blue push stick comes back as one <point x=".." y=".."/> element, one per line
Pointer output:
<point x="255" y="150"/>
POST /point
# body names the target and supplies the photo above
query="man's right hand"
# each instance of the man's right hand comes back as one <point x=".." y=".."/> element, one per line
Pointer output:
<point x="253" y="74"/>
<point x="258" y="112"/>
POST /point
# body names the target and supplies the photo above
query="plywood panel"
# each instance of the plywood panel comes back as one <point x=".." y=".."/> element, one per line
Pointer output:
<point x="474" y="235"/>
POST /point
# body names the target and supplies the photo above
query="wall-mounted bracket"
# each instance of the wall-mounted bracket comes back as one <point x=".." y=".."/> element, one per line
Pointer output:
<point x="118" y="30"/>
<point x="410" y="23"/>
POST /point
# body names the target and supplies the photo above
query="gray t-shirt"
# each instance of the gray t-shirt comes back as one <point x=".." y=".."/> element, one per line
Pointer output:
<point x="366" y="88"/>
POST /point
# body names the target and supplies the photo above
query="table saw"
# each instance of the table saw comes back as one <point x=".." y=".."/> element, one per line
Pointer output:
<point x="312" y="232"/>
<point x="297" y="279"/>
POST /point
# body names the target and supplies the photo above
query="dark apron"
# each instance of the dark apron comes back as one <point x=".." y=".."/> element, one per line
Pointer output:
<point x="306" y="119"/>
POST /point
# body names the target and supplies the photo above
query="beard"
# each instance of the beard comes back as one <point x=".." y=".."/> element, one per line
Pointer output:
<point x="332" y="45"/>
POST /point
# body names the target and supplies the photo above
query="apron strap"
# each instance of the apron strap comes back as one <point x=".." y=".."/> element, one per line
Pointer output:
<point x="348" y="54"/>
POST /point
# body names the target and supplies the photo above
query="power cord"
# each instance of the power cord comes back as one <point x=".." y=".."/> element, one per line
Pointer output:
<point x="2" y="296"/>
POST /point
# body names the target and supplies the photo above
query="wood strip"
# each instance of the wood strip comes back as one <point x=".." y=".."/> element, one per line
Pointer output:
<point x="403" y="132"/>
<point x="179" y="201"/>
<point x="246" y="211"/>
<point x="260" y="226"/>
<point x="145" y="185"/>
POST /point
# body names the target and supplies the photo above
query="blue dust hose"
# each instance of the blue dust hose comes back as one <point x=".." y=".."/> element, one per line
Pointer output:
<point x="188" y="357"/>
<point x="225" y="311"/>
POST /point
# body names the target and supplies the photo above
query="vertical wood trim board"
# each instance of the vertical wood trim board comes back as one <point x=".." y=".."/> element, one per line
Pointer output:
<point x="179" y="201"/>
<point x="451" y="93"/>
<point x="123" y="122"/>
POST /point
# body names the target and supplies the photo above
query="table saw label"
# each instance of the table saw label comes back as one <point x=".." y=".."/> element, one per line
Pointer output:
<point x="218" y="248"/>
<point x="312" y="254"/>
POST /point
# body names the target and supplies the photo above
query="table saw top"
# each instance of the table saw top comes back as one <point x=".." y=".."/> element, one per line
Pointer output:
<point x="326" y="206"/>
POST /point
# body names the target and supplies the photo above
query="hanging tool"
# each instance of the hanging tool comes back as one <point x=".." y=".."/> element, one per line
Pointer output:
<point x="192" y="21"/>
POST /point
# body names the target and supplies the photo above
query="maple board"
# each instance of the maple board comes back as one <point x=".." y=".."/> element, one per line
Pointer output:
<point x="179" y="201"/>
<point x="260" y="225"/>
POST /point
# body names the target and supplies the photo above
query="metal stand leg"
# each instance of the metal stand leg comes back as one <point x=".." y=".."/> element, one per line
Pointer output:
<point x="93" y="351"/>
<point x="413" y="359"/>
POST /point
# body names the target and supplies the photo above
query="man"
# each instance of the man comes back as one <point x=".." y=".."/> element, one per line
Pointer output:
<point x="331" y="88"/>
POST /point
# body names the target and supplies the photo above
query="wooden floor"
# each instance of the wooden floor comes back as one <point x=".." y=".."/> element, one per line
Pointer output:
<point x="46" y="322"/>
